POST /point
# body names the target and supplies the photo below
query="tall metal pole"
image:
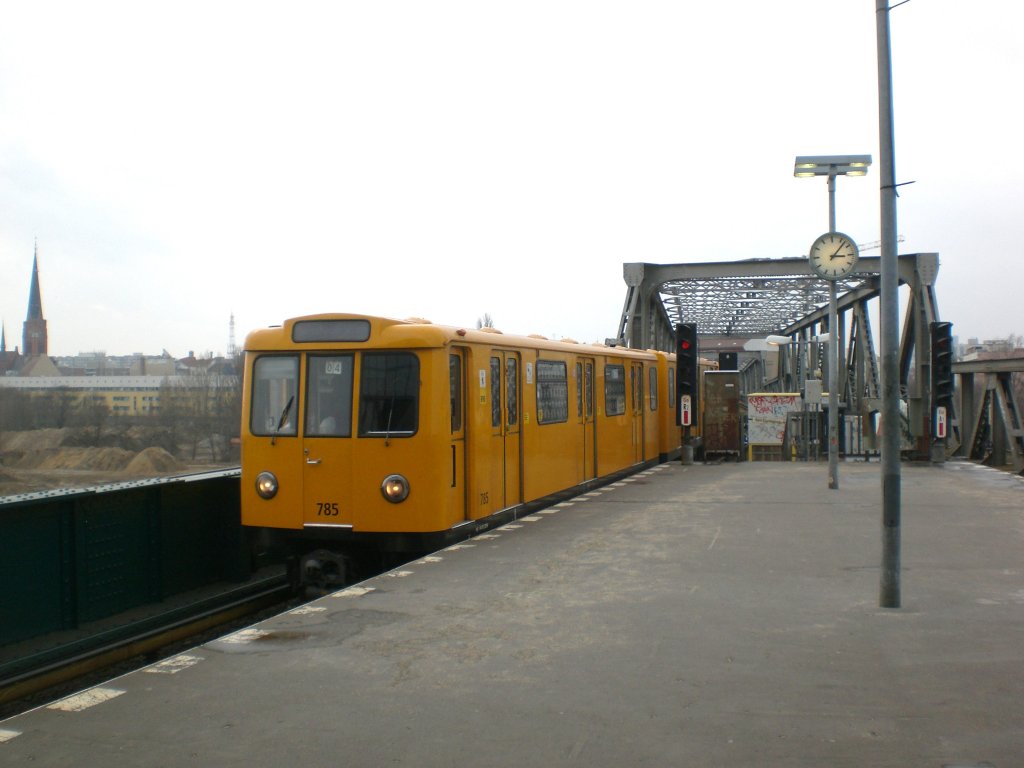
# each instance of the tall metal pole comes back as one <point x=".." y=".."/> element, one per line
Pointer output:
<point x="832" y="200"/>
<point x="889" y="588"/>
<point x="833" y="388"/>
<point x="833" y="354"/>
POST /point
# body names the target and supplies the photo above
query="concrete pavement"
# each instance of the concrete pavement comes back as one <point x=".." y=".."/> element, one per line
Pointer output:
<point x="709" y="615"/>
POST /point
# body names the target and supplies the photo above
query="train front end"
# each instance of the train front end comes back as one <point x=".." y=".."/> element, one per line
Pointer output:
<point x="339" y="441"/>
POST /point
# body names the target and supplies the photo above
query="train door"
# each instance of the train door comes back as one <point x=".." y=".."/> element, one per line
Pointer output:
<point x="636" y="380"/>
<point x="326" y="439"/>
<point x="457" y="399"/>
<point x="271" y="440"/>
<point x="513" y="439"/>
<point x="505" y="379"/>
<point x="585" y="416"/>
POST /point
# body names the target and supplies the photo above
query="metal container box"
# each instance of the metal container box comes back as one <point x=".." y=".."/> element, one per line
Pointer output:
<point x="724" y="413"/>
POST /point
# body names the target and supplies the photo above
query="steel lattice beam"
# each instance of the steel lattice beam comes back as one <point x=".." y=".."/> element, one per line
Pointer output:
<point x="755" y="298"/>
<point x="743" y="299"/>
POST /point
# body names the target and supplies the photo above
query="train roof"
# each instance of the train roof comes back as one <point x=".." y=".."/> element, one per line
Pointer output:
<point x="347" y="331"/>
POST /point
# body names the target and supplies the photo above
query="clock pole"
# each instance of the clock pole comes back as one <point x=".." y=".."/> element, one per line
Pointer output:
<point x="832" y="166"/>
<point x="833" y="354"/>
<point x="833" y="385"/>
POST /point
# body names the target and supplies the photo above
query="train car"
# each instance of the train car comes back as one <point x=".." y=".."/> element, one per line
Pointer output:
<point x="404" y="435"/>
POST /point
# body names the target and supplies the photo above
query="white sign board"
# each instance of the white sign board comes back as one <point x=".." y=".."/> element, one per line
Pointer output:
<point x="766" y="416"/>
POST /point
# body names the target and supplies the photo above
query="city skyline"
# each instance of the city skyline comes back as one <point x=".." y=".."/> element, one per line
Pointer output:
<point x="34" y="314"/>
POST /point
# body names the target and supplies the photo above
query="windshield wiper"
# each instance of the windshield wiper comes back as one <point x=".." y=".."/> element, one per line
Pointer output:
<point x="284" y="417"/>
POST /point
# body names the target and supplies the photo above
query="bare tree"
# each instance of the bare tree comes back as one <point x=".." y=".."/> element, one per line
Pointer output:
<point x="93" y="414"/>
<point x="203" y="407"/>
<point x="14" y="410"/>
<point x="65" y="403"/>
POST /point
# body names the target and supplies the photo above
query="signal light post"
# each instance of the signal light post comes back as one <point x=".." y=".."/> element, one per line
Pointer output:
<point x="687" y="381"/>
<point x="941" y="334"/>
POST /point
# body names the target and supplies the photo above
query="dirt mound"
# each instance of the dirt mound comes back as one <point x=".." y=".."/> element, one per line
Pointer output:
<point x="33" y="440"/>
<point x="133" y="438"/>
<point x="153" y="461"/>
<point x="77" y="457"/>
<point x="91" y="459"/>
<point x="149" y="462"/>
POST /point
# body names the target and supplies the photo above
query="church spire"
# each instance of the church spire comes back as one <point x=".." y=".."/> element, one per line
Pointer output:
<point x="34" y="334"/>
<point x="35" y="301"/>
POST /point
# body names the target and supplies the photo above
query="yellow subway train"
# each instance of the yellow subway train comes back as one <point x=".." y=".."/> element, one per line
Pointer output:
<point x="403" y="435"/>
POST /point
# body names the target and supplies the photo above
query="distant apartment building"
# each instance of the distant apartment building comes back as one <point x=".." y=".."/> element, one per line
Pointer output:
<point x="991" y="348"/>
<point x="127" y="395"/>
<point x="101" y="364"/>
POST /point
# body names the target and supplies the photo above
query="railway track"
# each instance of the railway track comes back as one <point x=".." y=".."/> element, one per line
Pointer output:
<point x="47" y="673"/>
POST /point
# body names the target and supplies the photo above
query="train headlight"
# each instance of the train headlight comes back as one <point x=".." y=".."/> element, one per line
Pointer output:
<point x="266" y="485"/>
<point x="395" y="488"/>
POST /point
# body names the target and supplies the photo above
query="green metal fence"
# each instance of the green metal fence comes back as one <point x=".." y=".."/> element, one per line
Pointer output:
<point x="71" y="557"/>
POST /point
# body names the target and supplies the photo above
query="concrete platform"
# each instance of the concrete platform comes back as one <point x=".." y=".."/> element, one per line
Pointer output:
<point x="692" y="616"/>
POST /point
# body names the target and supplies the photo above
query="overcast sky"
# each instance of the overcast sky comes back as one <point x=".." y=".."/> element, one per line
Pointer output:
<point x="180" y="162"/>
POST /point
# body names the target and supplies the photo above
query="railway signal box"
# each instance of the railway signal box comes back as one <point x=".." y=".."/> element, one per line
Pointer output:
<point x="942" y="363"/>
<point x="942" y="375"/>
<point x="687" y="374"/>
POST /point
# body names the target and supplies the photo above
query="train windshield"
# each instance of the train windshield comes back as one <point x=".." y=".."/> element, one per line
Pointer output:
<point x="329" y="396"/>
<point x="275" y="383"/>
<point x="389" y="391"/>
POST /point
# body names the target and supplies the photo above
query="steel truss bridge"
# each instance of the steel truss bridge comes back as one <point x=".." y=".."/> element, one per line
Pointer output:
<point x="736" y="304"/>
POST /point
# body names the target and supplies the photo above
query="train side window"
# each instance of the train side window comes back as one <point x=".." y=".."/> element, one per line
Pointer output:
<point x="652" y="378"/>
<point x="389" y="391"/>
<point x="455" y="391"/>
<point x="329" y="396"/>
<point x="614" y="390"/>
<point x="495" y="391"/>
<point x="512" y="390"/>
<point x="671" y="389"/>
<point x="588" y="389"/>
<point x="275" y="382"/>
<point x="579" y="390"/>
<point x="552" y="392"/>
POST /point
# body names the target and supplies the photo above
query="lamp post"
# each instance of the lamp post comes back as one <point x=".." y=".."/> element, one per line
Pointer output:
<point x="831" y="166"/>
<point x="889" y="312"/>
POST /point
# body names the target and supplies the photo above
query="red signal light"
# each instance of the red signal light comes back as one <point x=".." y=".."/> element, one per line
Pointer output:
<point x="685" y="344"/>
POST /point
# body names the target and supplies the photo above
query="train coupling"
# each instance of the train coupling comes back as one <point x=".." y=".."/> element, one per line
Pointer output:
<point x="323" y="569"/>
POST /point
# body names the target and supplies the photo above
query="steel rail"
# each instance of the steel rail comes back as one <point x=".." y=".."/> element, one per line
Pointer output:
<point x="30" y="675"/>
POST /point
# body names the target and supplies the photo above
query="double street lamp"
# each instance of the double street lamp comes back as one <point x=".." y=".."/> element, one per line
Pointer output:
<point x="831" y="166"/>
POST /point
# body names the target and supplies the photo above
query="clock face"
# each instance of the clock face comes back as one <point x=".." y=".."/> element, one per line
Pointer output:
<point x="833" y="255"/>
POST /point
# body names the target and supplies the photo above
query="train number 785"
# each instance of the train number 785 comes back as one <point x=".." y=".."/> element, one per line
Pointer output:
<point x="327" y="509"/>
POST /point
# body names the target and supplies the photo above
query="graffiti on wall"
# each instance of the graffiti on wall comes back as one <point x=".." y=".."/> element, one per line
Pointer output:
<point x="766" y="416"/>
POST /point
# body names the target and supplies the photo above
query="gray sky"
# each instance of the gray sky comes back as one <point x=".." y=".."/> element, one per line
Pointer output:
<point x="180" y="162"/>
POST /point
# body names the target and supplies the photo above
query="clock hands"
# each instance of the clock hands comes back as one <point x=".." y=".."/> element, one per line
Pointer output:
<point x="830" y="248"/>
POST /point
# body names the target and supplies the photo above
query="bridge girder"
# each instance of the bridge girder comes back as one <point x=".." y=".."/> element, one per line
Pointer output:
<point x="755" y="298"/>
